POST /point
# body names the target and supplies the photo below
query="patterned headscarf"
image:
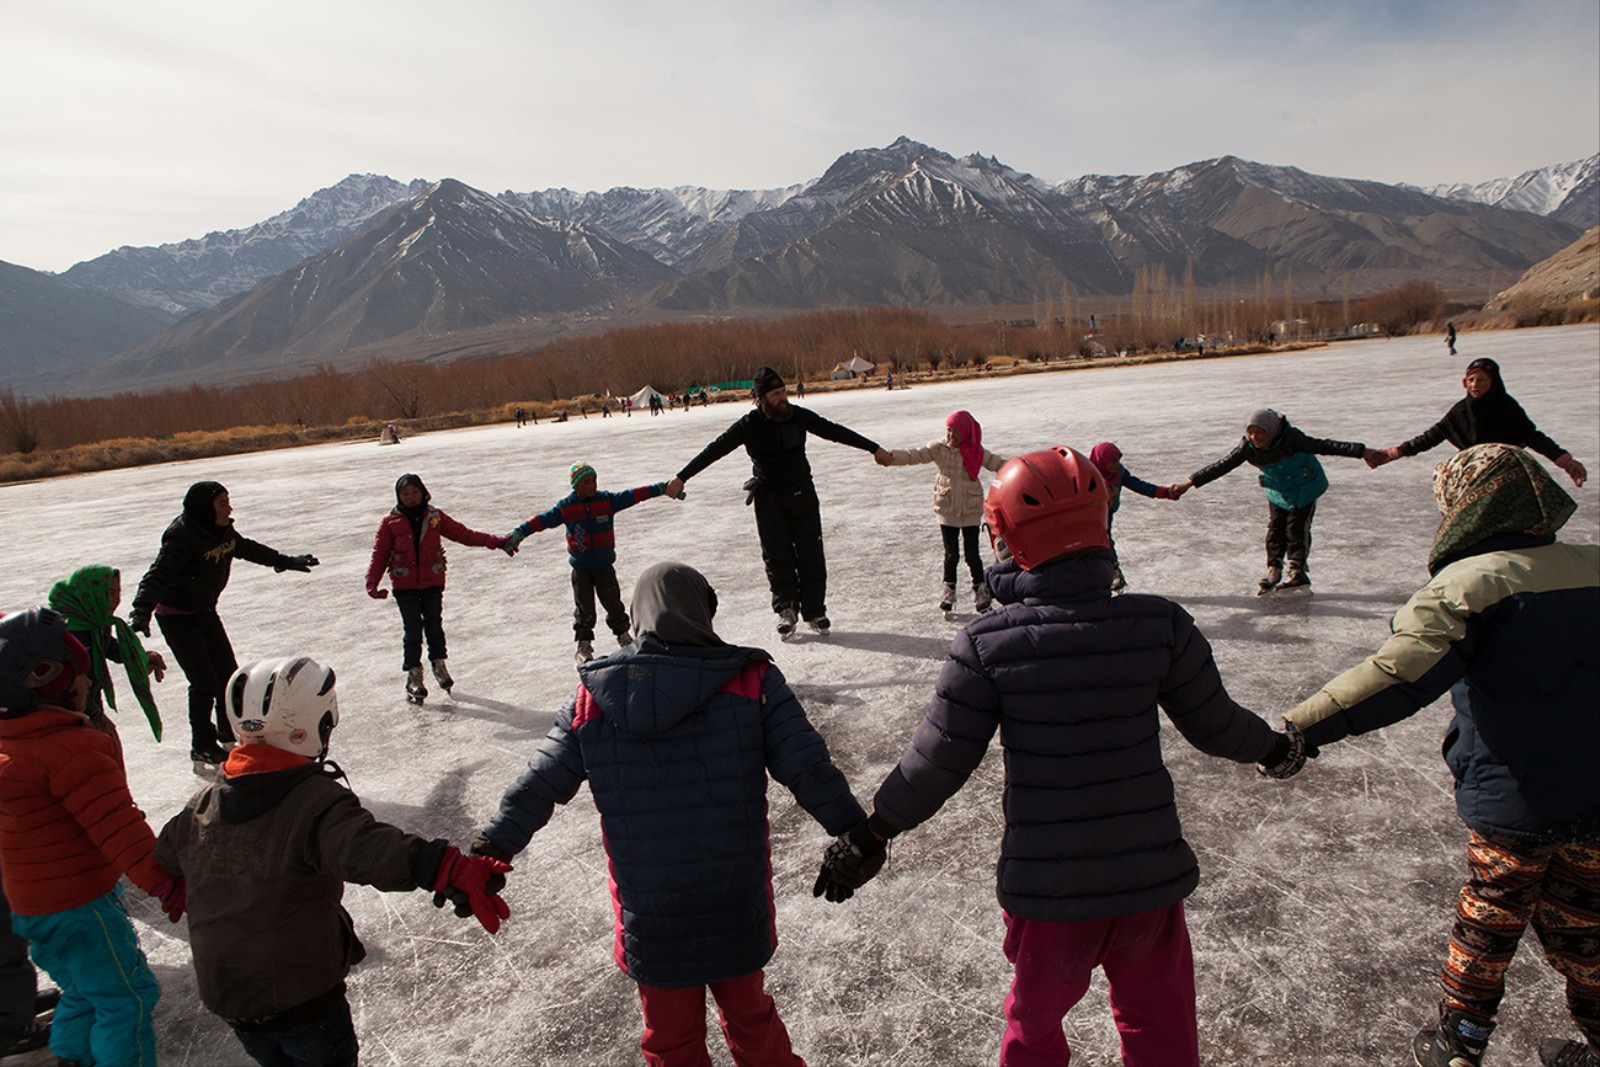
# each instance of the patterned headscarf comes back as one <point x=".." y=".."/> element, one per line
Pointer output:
<point x="85" y="600"/>
<point x="1493" y="489"/>
<point x="971" y="441"/>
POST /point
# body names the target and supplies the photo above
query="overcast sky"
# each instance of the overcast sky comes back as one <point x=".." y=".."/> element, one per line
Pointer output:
<point x="138" y="122"/>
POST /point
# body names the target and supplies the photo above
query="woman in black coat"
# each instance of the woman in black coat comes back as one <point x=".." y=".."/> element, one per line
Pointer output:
<point x="181" y="589"/>
<point x="1487" y="415"/>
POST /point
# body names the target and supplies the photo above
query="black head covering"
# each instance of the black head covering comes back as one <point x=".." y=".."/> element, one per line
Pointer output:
<point x="676" y="603"/>
<point x="765" y="380"/>
<point x="1494" y="417"/>
<point x="199" y="504"/>
<point x="411" y="479"/>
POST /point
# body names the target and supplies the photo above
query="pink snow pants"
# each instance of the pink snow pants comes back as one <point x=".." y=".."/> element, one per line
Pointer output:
<point x="1149" y="967"/>
<point x="675" y="1025"/>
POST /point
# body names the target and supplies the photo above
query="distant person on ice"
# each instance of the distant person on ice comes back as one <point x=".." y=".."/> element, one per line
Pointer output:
<point x="1486" y="415"/>
<point x="788" y="515"/>
<point x="1508" y="624"/>
<point x="1093" y="867"/>
<point x="957" y="498"/>
<point x="1450" y="337"/>
<point x="676" y="737"/>
<point x="266" y="852"/>
<point x="181" y="589"/>
<point x="1293" y="479"/>
<point x="587" y="514"/>
<point x="409" y="546"/>
<point x="1107" y="459"/>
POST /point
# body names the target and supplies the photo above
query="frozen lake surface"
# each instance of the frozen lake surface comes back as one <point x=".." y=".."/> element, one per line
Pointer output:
<point x="1325" y="902"/>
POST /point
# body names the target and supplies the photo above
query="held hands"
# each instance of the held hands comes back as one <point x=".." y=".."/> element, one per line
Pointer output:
<point x="883" y="457"/>
<point x="472" y="884"/>
<point x="852" y="861"/>
<point x="1287" y="755"/>
<point x="510" y="542"/>
<point x="674" y="489"/>
<point x="1377" y="457"/>
<point x="173" y="894"/>
<point x="303" y="564"/>
<point x="1175" y="492"/>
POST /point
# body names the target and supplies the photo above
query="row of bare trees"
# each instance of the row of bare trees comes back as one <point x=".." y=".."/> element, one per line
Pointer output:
<point x="674" y="358"/>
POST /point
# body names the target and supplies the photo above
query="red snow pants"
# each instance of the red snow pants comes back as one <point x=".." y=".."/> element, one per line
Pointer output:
<point x="675" y="1025"/>
<point x="1149" y="967"/>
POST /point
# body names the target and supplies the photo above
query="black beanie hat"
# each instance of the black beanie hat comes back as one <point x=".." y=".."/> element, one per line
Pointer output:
<point x="766" y="379"/>
<point x="410" y="479"/>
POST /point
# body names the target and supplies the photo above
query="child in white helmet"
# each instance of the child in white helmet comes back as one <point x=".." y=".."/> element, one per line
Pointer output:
<point x="279" y="835"/>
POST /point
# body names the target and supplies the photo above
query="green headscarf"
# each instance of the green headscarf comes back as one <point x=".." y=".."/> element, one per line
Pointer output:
<point x="1493" y="489"/>
<point x="85" y="600"/>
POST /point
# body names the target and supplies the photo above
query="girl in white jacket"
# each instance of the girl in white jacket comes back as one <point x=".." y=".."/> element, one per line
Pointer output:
<point x="957" y="498"/>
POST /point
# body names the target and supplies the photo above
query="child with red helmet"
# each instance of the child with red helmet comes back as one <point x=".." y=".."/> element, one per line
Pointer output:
<point x="1093" y="865"/>
<point x="273" y="841"/>
<point x="68" y="831"/>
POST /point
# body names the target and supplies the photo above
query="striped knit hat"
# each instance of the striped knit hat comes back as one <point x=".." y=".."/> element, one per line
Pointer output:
<point x="580" y="471"/>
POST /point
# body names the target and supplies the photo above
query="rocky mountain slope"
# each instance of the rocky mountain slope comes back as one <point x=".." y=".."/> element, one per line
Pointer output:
<point x="1571" y="274"/>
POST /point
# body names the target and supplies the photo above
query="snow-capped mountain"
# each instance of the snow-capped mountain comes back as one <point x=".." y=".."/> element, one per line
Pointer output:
<point x="1569" y="192"/>
<point x="198" y="273"/>
<point x="454" y="259"/>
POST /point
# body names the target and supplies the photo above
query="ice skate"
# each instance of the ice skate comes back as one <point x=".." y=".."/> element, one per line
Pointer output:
<point x="416" y="692"/>
<point x="1296" y="580"/>
<point x="786" y="620"/>
<point x="947" y="601"/>
<point x="623" y="639"/>
<point x="207" y="758"/>
<point x="819" y="625"/>
<point x="583" y="653"/>
<point x="981" y="598"/>
<point x="1458" y="1041"/>
<point x="1118" y="582"/>
<point x="1559" y="1052"/>
<point x="441" y="674"/>
<point x="1270" y="582"/>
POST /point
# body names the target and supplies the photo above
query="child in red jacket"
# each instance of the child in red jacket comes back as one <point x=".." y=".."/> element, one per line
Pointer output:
<point x="68" y="831"/>
<point x="409" y="545"/>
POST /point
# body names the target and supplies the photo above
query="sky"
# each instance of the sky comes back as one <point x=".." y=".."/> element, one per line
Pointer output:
<point x="141" y="122"/>
<point x="1324" y="904"/>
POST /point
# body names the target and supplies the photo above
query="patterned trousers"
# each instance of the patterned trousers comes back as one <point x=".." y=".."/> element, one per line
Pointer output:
<point x="1510" y="884"/>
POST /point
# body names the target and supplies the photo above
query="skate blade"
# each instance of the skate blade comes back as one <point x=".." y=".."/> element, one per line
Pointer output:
<point x="413" y="699"/>
<point x="1294" y="590"/>
<point x="204" y="769"/>
<point x="1268" y="591"/>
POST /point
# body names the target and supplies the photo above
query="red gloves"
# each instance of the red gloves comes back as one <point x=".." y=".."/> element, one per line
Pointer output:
<point x="377" y="594"/>
<point x="173" y="894"/>
<point x="472" y="884"/>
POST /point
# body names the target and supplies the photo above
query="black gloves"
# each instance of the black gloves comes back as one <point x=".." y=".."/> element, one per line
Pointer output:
<point x="296" y="563"/>
<point x="850" y="863"/>
<point x="139" y="621"/>
<point x="1287" y="754"/>
<point x="482" y="846"/>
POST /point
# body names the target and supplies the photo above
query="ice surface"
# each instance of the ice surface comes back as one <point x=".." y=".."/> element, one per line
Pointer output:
<point x="1325" y="902"/>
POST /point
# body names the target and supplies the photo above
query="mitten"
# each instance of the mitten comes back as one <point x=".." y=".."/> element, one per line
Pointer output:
<point x="495" y="542"/>
<point x="377" y="594"/>
<point x="173" y="894"/>
<point x="850" y="863"/>
<point x="296" y="563"/>
<point x="472" y="884"/>
<point x="482" y="846"/>
<point x="1287" y="754"/>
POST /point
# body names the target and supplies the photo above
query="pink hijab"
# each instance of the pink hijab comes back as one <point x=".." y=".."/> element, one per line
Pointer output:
<point x="971" y="441"/>
<point x="1102" y="455"/>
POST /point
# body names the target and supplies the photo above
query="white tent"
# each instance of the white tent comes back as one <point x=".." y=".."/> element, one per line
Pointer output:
<point x="641" y="399"/>
<point x="851" y="367"/>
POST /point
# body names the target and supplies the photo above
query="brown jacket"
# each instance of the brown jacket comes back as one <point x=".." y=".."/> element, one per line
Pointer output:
<point x="957" y="496"/>
<point x="68" y="826"/>
<point x="266" y="854"/>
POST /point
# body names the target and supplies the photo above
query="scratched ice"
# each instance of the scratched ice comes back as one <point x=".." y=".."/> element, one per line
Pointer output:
<point x="1325" y="902"/>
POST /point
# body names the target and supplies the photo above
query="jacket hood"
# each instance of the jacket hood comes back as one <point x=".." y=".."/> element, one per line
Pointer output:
<point x="1084" y="575"/>
<point x="674" y="602"/>
<point x="198" y="506"/>
<point x="650" y="687"/>
<point x="243" y="797"/>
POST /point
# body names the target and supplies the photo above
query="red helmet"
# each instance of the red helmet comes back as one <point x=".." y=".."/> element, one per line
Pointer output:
<point x="1046" y="504"/>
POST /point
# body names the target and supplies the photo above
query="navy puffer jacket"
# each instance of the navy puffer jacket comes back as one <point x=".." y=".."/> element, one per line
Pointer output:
<point x="676" y="744"/>
<point x="1072" y="677"/>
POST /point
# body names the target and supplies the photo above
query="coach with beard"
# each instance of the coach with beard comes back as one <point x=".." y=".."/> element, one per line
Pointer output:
<point x="788" y="517"/>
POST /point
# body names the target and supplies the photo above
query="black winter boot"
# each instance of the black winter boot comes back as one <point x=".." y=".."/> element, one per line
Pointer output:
<point x="1559" y="1052"/>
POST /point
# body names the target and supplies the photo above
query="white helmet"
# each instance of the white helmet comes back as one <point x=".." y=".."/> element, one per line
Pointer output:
<point x="287" y="703"/>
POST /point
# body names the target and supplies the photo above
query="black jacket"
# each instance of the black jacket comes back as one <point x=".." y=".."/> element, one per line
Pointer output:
<point x="777" y="449"/>
<point x="191" y="569"/>
<point x="1501" y="422"/>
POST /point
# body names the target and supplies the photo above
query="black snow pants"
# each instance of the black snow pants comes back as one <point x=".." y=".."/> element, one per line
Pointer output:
<point x="968" y="536"/>
<point x="1289" y="534"/>
<point x="586" y="585"/>
<point x="789" y="523"/>
<point x="421" y="615"/>
<point x="204" y="654"/>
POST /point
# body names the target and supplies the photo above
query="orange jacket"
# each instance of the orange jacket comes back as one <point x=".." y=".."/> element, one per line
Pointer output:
<point x="68" y="826"/>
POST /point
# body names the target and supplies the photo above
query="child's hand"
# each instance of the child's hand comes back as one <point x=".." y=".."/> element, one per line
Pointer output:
<point x="377" y="594"/>
<point x="1287" y="755"/>
<point x="173" y="894"/>
<point x="158" y="666"/>
<point x="509" y="543"/>
<point x="473" y="884"/>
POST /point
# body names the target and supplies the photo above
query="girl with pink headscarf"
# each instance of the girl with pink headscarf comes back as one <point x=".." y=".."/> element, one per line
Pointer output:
<point x="1107" y="458"/>
<point x="957" y="499"/>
